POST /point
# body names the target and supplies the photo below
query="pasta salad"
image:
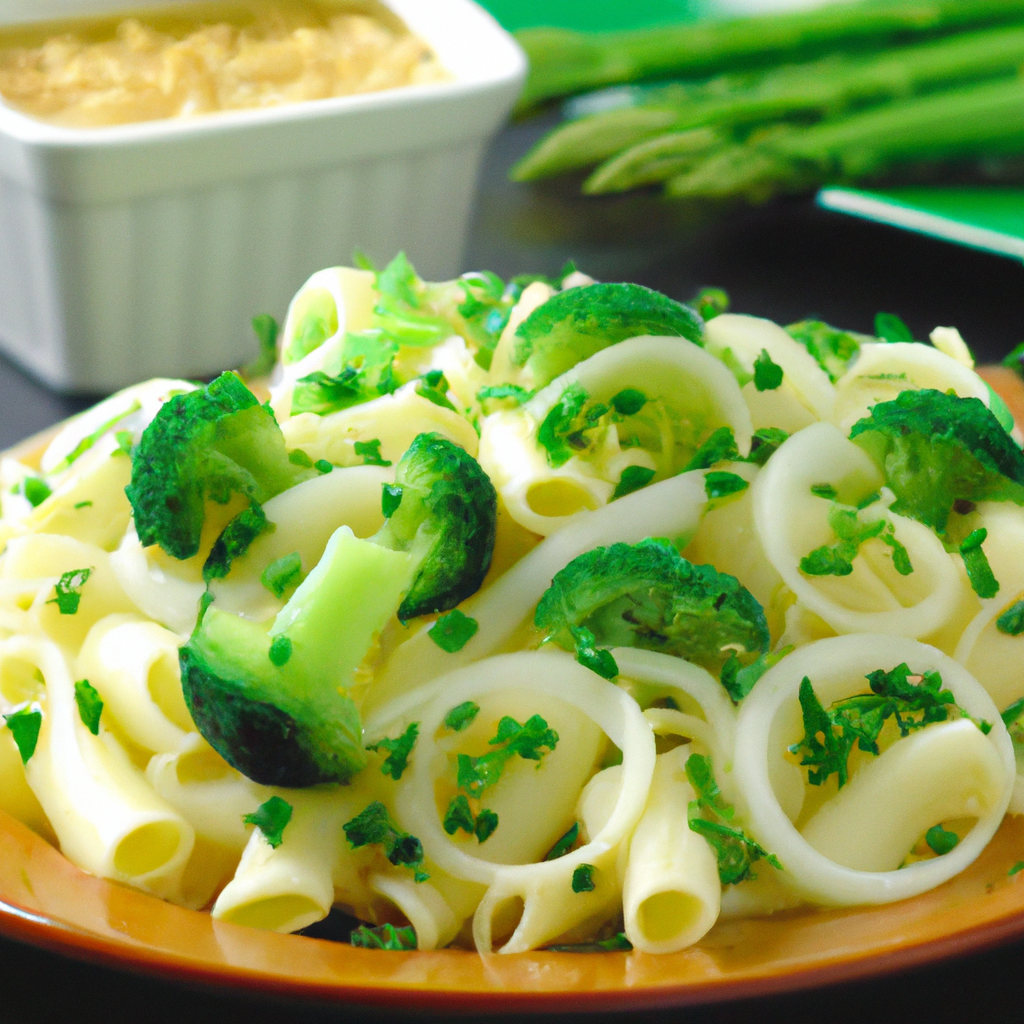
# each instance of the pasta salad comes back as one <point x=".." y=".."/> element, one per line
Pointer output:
<point x="544" y="613"/>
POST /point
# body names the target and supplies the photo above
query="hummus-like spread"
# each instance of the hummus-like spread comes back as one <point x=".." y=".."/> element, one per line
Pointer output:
<point x="226" y="56"/>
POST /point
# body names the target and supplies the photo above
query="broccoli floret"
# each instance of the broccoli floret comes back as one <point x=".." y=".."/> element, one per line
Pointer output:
<point x="832" y="348"/>
<point x="209" y="444"/>
<point x="572" y="325"/>
<point x="936" y="450"/>
<point x="647" y="595"/>
<point x="446" y="518"/>
<point x="275" y="702"/>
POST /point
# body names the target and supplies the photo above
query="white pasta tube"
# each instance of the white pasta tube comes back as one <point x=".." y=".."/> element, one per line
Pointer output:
<point x="550" y="907"/>
<point x="882" y="371"/>
<point x="133" y="664"/>
<point x="331" y="303"/>
<point x="305" y="517"/>
<point x="109" y="821"/>
<point x="696" y="386"/>
<point x="671" y="508"/>
<point x="423" y="906"/>
<point x="503" y="370"/>
<point x="769" y="721"/>
<point x="291" y="886"/>
<point x="671" y="893"/>
<point x="16" y="798"/>
<point x="792" y="522"/>
<point x="806" y="393"/>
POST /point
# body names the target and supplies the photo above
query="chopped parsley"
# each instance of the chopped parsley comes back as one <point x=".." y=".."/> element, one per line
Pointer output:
<point x="1011" y="622"/>
<point x="297" y="457"/>
<point x="282" y="573"/>
<point x="398" y="750"/>
<point x="236" y="538"/>
<point x="1019" y="866"/>
<point x="453" y="631"/>
<point x="83" y="504"/>
<point x="632" y="479"/>
<point x="565" y="844"/>
<point x="709" y="816"/>
<point x="616" y="944"/>
<point x="837" y="559"/>
<point x="739" y="680"/>
<point x="767" y="374"/>
<point x="460" y="816"/>
<point x="500" y="392"/>
<point x="390" y="499"/>
<point x="384" y="936"/>
<point x="461" y="716"/>
<point x="280" y="650"/>
<point x="68" y="591"/>
<point x="979" y="572"/>
<point x="125" y="442"/>
<point x="271" y="818"/>
<point x="24" y="725"/>
<point x="35" y="490"/>
<point x="826" y="491"/>
<point x="369" y="452"/>
<point x="323" y="467"/>
<point x="719" y="447"/>
<point x="513" y="739"/>
<point x="889" y="327"/>
<point x="589" y="655"/>
<point x="583" y="878"/>
<point x="628" y="402"/>
<point x="940" y="841"/>
<point x="556" y="434"/>
<point x="90" y="705"/>
<point x="722" y="485"/>
<point x="373" y="826"/>
<point x="764" y="444"/>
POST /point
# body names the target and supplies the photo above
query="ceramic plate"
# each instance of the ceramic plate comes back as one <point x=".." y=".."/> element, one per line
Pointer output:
<point x="46" y="901"/>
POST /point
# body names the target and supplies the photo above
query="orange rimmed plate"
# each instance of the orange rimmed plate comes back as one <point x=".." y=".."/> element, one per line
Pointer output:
<point x="46" y="901"/>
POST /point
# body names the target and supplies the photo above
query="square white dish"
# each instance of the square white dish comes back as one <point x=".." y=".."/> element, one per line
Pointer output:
<point x="145" y="249"/>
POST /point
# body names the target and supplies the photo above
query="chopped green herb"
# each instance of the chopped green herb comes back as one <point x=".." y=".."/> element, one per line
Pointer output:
<point x="459" y="815"/>
<point x="710" y="302"/>
<point x="486" y="823"/>
<point x="35" y="490"/>
<point x="719" y="447"/>
<point x="826" y="491"/>
<point x="557" y="427"/>
<point x="475" y="774"/>
<point x="589" y="655"/>
<point x="837" y="559"/>
<point x="767" y="374"/>
<point x="374" y="826"/>
<point x="323" y="467"/>
<point x="738" y="679"/>
<point x="68" y="591"/>
<point x="701" y="776"/>
<point x="632" y="479"/>
<point x="1010" y="714"/>
<point x="832" y="348"/>
<point x="722" y="485"/>
<point x="868" y="500"/>
<point x="1016" y="869"/>
<point x="384" y="936"/>
<point x="90" y="705"/>
<point x="462" y="716"/>
<point x="900" y="558"/>
<point x="297" y="457"/>
<point x="764" y="444"/>
<point x="235" y="540"/>
<point x="390" y="499"/>
<point x="282" y="573"/>
<point x="583" y="878"/>
<point x="565" y="844"/>
<point x="125" y="442"/>
<point x="940" y="841"/>
<point x="453" y="631"/>
<point x="979" y="572"/>
<point x="398" y="750"/>
<point x="280" y="650"/>
<point x="891" y="328"/>
<point x="83" y="504"/>
<point x="616" y="944"/>
<point x="24" y="725"/>
<point x="1011" y="622"/>
<point x="735" y="850"/>
<point x="369" y="451"/>
<point x="271" y="818"/>
<point x="629" y="401"/>
<point x="205" y="600"/>
<point x="498" y="392"/>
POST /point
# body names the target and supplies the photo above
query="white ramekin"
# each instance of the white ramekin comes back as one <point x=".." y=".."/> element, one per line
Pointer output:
<point x="145" y="249"/>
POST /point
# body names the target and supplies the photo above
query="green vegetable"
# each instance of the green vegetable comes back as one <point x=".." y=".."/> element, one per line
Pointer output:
<point x="501" y="392"/>
<point x="235" y="540"/>
<point x="68" y="591"/>
<point x="271" y="818"/>
<point x="1011" y="622"/>
<point x="369" y="452"/>
<point x="937" y="449"/>
<point x="453" y="631"/>
<point x="280" y="650"/>
<point x="461" y="716"/>
<point x="826" y="491"/>
<point x="858" y="720"/>
<point x="373" y="826"/>
<point x="282" y="573"/>
<point x="979" y="572"/>
<point x="513" y="739"/>
<point x="1016" y="869"/>
<point x="583" y="878"/>
<point x="35" y="490"/>
<point x="837" y="559"/>
<point x="90" y="705"/>
<point x="719" y="447"/>
<point x="565" y="844"/>
<point x="710" y="302"/>
<point x="832" y="348"/>
<point x="398" y="750"/>
<point x="738" y="679"/>
<point x="940" y="841"/>
<point x="764" y="444"/>
<point x="575" y="324"/>
<point x="632" y="479"/>
<point x="616" y="944"/>
<point x="647" y="595"/>
<point x="709" y="816"/>
<point x="460" y="816"/>
<point x="1010" y="714"/>
<point x="558" y="434"/>
<point x="384" y="936"/>
<point x="723" y="485"/>
<point x="206" y="445"/>
<point x="891" y="328"/>
<point x="628" y="402"/>
<point x="767" y="375"/>
<point x="25" y="725"/>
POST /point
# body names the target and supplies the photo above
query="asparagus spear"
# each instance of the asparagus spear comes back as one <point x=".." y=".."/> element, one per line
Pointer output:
<point x="982" y="119"/>
<point x="564" y="62"/>
<point x="641" y="152"/>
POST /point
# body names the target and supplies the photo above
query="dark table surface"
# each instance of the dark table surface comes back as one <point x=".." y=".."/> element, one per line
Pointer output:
<point x="784" y="261"/>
